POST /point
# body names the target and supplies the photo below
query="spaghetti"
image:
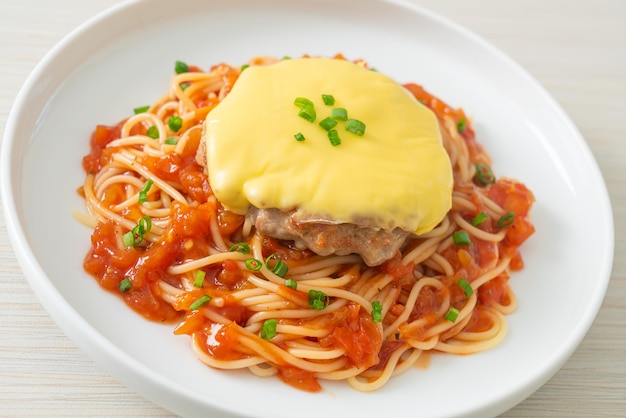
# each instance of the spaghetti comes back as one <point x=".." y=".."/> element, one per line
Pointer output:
<point x="165" y="244"/>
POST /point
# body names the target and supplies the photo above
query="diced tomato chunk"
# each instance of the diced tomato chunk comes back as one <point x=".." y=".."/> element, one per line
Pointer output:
<point x="298" y="378"/>
<point x="512" y="196"/>
<point x="519" y="231"/>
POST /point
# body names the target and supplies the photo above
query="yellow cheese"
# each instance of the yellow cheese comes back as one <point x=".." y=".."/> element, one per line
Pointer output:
<point x="396" y="175"/>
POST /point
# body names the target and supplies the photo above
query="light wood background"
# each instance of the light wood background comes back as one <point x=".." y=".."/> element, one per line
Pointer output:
<point x="576" y="50"/>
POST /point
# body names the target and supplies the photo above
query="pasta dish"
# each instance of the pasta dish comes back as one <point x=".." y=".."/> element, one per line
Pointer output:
<point x="291" y="289"/>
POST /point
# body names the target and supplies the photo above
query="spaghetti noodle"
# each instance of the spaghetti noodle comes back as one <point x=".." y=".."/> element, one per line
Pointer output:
<point x="165" y="244"/>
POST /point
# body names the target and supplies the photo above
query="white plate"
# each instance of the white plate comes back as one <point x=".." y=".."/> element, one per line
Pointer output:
<point x="124" y="58"/>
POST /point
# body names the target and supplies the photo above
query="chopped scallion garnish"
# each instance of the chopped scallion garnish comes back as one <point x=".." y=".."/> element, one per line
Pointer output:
<point x="243" y="67"/>
<point x="480" y="218"/>
<point x="143" y="193"/>
<point x="377" y="311"/>
<point x="201" y="301"/>
<point x="240" y="247"/>
<point x="134" y="237"/>
<point x="299" y="137"/>
<point x="291" y="283"/>
<point x="181" y="67"/>
<point x="328" y="99"/>
<point x="506" y="220"/>
<point x="452" y="315"/>
<point x="460" y="125"/>
<point x="318" y="300"/>
<point x="355" y="126"/>
<point x="142" y="109"/>
<point x="276" y="265"/>
<point x="461" y="238"/>
<point x="125" y="285"/>
<point x="339" y="113"/>
<point x="144" y="225"/>
<point x="175" y="123"/>
<point x="484" y="175"/>
<point x="308" y="113"/>
<point x="333" y="137"/>
<point x="128" y="239"/>
<point x="268" y="330"/>
<point x="253" y="264"/>
<point x="328" y="123"/>
<point x="199" y="278"/>
<point x="280" y="269"/>
<point x="153" y="132"/>
<point x="170" y="141"/>
<point x="302" y="102"/>
<point x="466" y="286"/>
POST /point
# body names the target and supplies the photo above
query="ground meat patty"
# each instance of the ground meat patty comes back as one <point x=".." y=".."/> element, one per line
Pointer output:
<point x="374" y="245"/>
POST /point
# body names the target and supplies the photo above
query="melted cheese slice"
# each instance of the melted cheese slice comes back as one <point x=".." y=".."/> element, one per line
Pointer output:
<point x="396" y="175"/>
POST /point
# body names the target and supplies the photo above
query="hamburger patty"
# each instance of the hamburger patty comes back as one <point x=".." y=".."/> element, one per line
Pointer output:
<point x="374" y="245"/>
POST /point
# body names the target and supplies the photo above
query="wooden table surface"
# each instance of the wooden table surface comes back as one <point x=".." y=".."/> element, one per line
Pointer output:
<point x="575" y="49"/>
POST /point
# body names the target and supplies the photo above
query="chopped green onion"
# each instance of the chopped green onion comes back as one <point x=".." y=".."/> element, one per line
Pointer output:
<point x="318" y="299"/>
<point x="143" y="193"/>
<point x="253" y="264"/>
<point x="243" y="67"/>
<point x="333" y="137"/>
<point x="466" y="286"/>
<point x="480" y="218"/>
<point x="171" y="141"/>
<point x="328" y="99"/>
<point x="175" y="123"/>
<point x="240" y="247"/>
<point x="125" y="285"/>
<point x="461" y="238"/>
<point x="199" y="279"/>
<point x="307" y="113"/>
<point x="484" y="175"/>
<point x="128" y="239"/>
<point x="279" y="268"/>
<point x="142" y="109"/>
<point x="291" y="283"/>
<point x="299" y="137"/>
<point x="302" y="102"/>
<point x="328" y="123"/>
<point x="144" y="225"/>
<point x="268" y="330"/>
<point x="377" y="311"/>
<point x="506" y="220"/>
<point x="452" y="314"/>
<point x="460" y="125"/>
<point x="134" y="237"/>
<point x="339" y="113"/>
<point x="184" y="86"/>
<point x="153" y="132"/>
<point x="355" y="126"/>
<point x="181" y="67"/>
<point x="202" y="300"/>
